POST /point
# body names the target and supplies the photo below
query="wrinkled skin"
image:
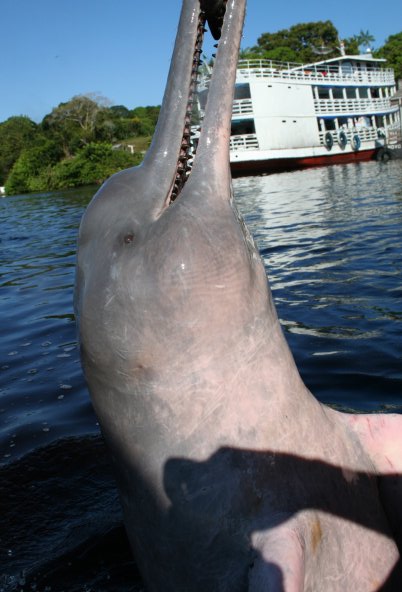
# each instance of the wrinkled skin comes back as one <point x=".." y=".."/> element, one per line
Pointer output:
<point x="232" y="476"/>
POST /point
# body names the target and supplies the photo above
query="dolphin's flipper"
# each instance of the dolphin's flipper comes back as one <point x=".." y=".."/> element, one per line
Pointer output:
<point x="280" y="563"/>
<point x="381" y="437"/>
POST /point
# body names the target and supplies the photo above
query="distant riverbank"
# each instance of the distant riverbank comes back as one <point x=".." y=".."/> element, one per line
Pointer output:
<point x="81" y="142"/>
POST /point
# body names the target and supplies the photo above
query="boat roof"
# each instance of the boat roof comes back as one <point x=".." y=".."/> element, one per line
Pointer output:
<point x="346" y="58"/>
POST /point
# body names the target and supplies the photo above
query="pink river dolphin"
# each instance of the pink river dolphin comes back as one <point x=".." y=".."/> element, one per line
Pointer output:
<point x="232" y="476"/>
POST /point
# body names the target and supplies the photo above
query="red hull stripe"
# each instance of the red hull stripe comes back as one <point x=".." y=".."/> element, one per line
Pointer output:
<point x="258" y="167"/>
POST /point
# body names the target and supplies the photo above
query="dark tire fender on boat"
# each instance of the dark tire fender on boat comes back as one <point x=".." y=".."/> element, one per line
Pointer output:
<point x="342" y="139"/>
<point x="355" y="142"/>
<point x="329" y="140"/>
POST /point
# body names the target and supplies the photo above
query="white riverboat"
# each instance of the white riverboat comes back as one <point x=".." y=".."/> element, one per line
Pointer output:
<point x="297" y="115"/>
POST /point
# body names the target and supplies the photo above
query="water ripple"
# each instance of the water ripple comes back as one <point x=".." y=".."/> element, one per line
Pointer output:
<point x="331" y="240"/>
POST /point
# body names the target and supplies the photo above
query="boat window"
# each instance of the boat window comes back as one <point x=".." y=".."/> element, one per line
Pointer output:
<point x="337" y="92"/>
<point x="323" y="92"/>
<point x="330" y="124"/>
<point x="347" y="68"/>
<point x="363" y="121"/>
<point x="242" y="91"/>
<point x="375" y="93"/>
<point x="350" y="93"/>
<point x="363" y="92"/>
<point x="241" y="127"/>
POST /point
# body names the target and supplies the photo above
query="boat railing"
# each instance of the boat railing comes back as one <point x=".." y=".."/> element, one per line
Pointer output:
<point x="395" y="126"/>
<point x="322" y="73"/>
<point x="244" y="142"/>
<point x="242" y="106"/>
<point x="365" y="134"/>
<point x="353" y="106"/>
<point x="394" y="133"/>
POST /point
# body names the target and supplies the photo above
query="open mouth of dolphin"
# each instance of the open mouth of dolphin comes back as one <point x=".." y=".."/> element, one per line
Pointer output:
<point x="169" y="154"/>
<point x="211" y="13"/>
<point x="137" y="215"/>
<point x="182" y="168"/>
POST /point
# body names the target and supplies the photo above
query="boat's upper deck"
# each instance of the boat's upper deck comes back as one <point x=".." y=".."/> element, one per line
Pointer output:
<point x="345" y="71"/>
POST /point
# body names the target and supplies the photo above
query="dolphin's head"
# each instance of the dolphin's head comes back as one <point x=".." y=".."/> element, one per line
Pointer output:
<point x="163" y="257"/>
<point x="169" y="280"/>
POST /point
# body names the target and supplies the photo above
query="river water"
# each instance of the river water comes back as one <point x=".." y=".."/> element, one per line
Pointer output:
<point x="331" y="239"/>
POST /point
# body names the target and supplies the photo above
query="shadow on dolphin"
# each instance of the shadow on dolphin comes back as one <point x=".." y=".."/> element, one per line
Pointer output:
<point x="232" y="476"/>
<point x="247" y="520"/>
<point x="297" y="485"/>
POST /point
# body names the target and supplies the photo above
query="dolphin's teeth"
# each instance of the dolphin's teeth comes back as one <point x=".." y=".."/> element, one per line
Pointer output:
<point x="183" y="167"/>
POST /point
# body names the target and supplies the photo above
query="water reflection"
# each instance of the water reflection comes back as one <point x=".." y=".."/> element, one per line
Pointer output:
<point x="331" y="240"/>
<point x="42" y="392"/>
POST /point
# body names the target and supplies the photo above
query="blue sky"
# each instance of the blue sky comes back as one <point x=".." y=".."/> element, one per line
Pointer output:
<point x="52" y="50"/>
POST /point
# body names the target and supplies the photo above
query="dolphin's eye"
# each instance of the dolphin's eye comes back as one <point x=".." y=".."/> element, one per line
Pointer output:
<point x="128" y="238"/>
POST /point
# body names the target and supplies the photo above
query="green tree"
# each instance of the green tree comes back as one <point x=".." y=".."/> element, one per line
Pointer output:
<point x="365" y="39"/>
<point x="73" y="144"/>
<point x="144" y="120"/>
<point x="119" y="112"/>
<point x="116" y="124"/>
<point x="16" y="133"/>
<point x="300" y="43"/>
<point x="247" y="53"/>
<point x="392" y="52"/>
<point x="30" y="166"/>
<point x="351" y="45"/>
<point x="74" y="123"/>
<point x="93" y="164"/>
